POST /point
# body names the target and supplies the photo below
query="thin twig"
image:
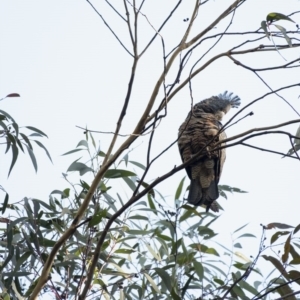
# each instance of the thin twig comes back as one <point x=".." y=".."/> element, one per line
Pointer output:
<point x="288" y="295"/>
<point x="267" y="150"/>
<point x="258" y="99"/>
<point x="161" y="27"/>
<point x="275" y="288"/>
<point x="267" y="69"/>
<point x="115" y="10"/>
<point x="128" y="23"/>
<point x="110" y="29"/>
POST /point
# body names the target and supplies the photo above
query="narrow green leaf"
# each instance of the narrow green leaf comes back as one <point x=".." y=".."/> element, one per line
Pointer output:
<point x="219" y="281"/>
<point x="137" y="164"/>
<point x="80" y="167"/>
<point x="277" y="235"/>
<point x="138" y="232"/>
<point x="153" y="252"/>
<point x="265" y="28"/>
<point x="72" y="151"/>
<point x="294" y="275"/>
<point x="179" y="189"/>
<point x="83" y="143"/>
<point x="31" y="287"/>
<point x="92" y="138"/>
<point x="174" y="294"/>
<point x="283" y="31"/>
<point x="5" y="202"/>
<point x="211" y="251"/>
<point x="36" y="130"/>
<point x="33" y="159"/>
<point x="295" y="261"/>
<point x="151" y="203"/>
<point x="10" y="255"/>
<point x="16" y="127"/>
<point x="3" y="125"/>
<point x="246" y="286"/>
<point x="15" y="222"/>
<point x="296" y="229"/>
<point x="97" y="218"/>
<point x="12" y="95"/>
<point x="11" y="138"/>
<point x="101" y="153"/>
<point x="22" y="259"/>
<point x="118" y="173"/>
<point x="42" y="146"/>
<point x="46" y="242"/>
<point x="230" y="189"/>
<point x="155" y="287"/>
<point x="297" y="137"/>
<point x="138" y="217"/>
<point x="25" y="138"/>
<point x="206" y="232"/>
<point x="278" y="225"/>
<point x="20" y="144"/>
<point x="277" y="264"/>
<point x="246" y="235"/>
<point x="237" y="245"/>
<point x="271" y="17"/>
<point x="125" y="158"/>
<point x="199" y="269"/>
<point x="66" y="193"/>
<point x="130" y="183"/>
<point x="125" y="251"/>
<point x="15" y="153"/>
<point x="240" y="228"/>
<point x="165" y="278"/>
<point x="7" y="115"/>
<point x="293" y="252"/>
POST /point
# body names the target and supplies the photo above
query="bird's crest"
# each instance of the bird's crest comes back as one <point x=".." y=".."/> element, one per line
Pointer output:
<point x="235" y="101"/>
<point x="222" y="102"/>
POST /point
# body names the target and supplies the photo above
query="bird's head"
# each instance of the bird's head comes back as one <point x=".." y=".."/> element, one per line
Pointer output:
<point x="219" y="105"/>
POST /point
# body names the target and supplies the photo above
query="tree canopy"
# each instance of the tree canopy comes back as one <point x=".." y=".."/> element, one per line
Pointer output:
<point x="113" y="232"/>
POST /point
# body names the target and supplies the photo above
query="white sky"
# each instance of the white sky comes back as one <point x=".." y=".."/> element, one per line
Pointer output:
<point x="71" y="71"/>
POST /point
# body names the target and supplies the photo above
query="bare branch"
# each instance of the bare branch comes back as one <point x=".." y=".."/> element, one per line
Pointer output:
<point x="260" y="98"/>
<point x="123" y="112"/>
<point x="268" y="69"/>
<point x="161" y="27"/>
<point x="267" y="150"/>
<point x="106" y="24"/>
<point x="288" y="295"/>
<point x="275" y="288"/>
<point x="115" y="10"/>
<point x="128" y="23"/>
<point x="214" y="23"/>
<point x="258" y="130"/>
<point x="263" y="69"/>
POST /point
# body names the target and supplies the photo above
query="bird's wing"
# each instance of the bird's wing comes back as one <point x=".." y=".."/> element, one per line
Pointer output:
<point x="193" y="136"/>
<point x="222" y="157"/>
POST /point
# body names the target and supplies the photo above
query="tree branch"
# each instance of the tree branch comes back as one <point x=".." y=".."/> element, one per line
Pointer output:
<point x="110" y="29"/>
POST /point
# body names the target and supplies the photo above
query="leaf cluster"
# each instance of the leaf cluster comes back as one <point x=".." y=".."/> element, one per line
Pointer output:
<point x="153" y="251"/>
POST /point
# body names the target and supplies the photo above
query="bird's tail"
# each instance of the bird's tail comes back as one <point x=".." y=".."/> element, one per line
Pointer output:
<point x="195" y="193"/>
<point x="198" y="196"/>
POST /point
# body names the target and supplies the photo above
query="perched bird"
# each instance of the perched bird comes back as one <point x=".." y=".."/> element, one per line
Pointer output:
<point x="199" y="133"/>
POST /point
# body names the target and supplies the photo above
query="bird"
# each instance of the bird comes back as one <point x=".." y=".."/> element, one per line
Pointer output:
<point x="198" y="135"/>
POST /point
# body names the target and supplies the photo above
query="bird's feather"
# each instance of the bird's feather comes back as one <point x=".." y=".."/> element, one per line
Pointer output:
<point x="198" y="135"/>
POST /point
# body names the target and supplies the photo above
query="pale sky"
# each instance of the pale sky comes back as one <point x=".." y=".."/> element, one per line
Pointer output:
<point x="70" y="70"/>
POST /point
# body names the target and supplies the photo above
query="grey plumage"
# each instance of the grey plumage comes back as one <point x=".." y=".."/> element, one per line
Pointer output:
<point x="200" y="132"/>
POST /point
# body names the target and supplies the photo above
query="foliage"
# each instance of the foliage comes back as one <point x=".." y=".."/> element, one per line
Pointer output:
<point x="16" y="140"/>
<point x="149" y="252"/>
